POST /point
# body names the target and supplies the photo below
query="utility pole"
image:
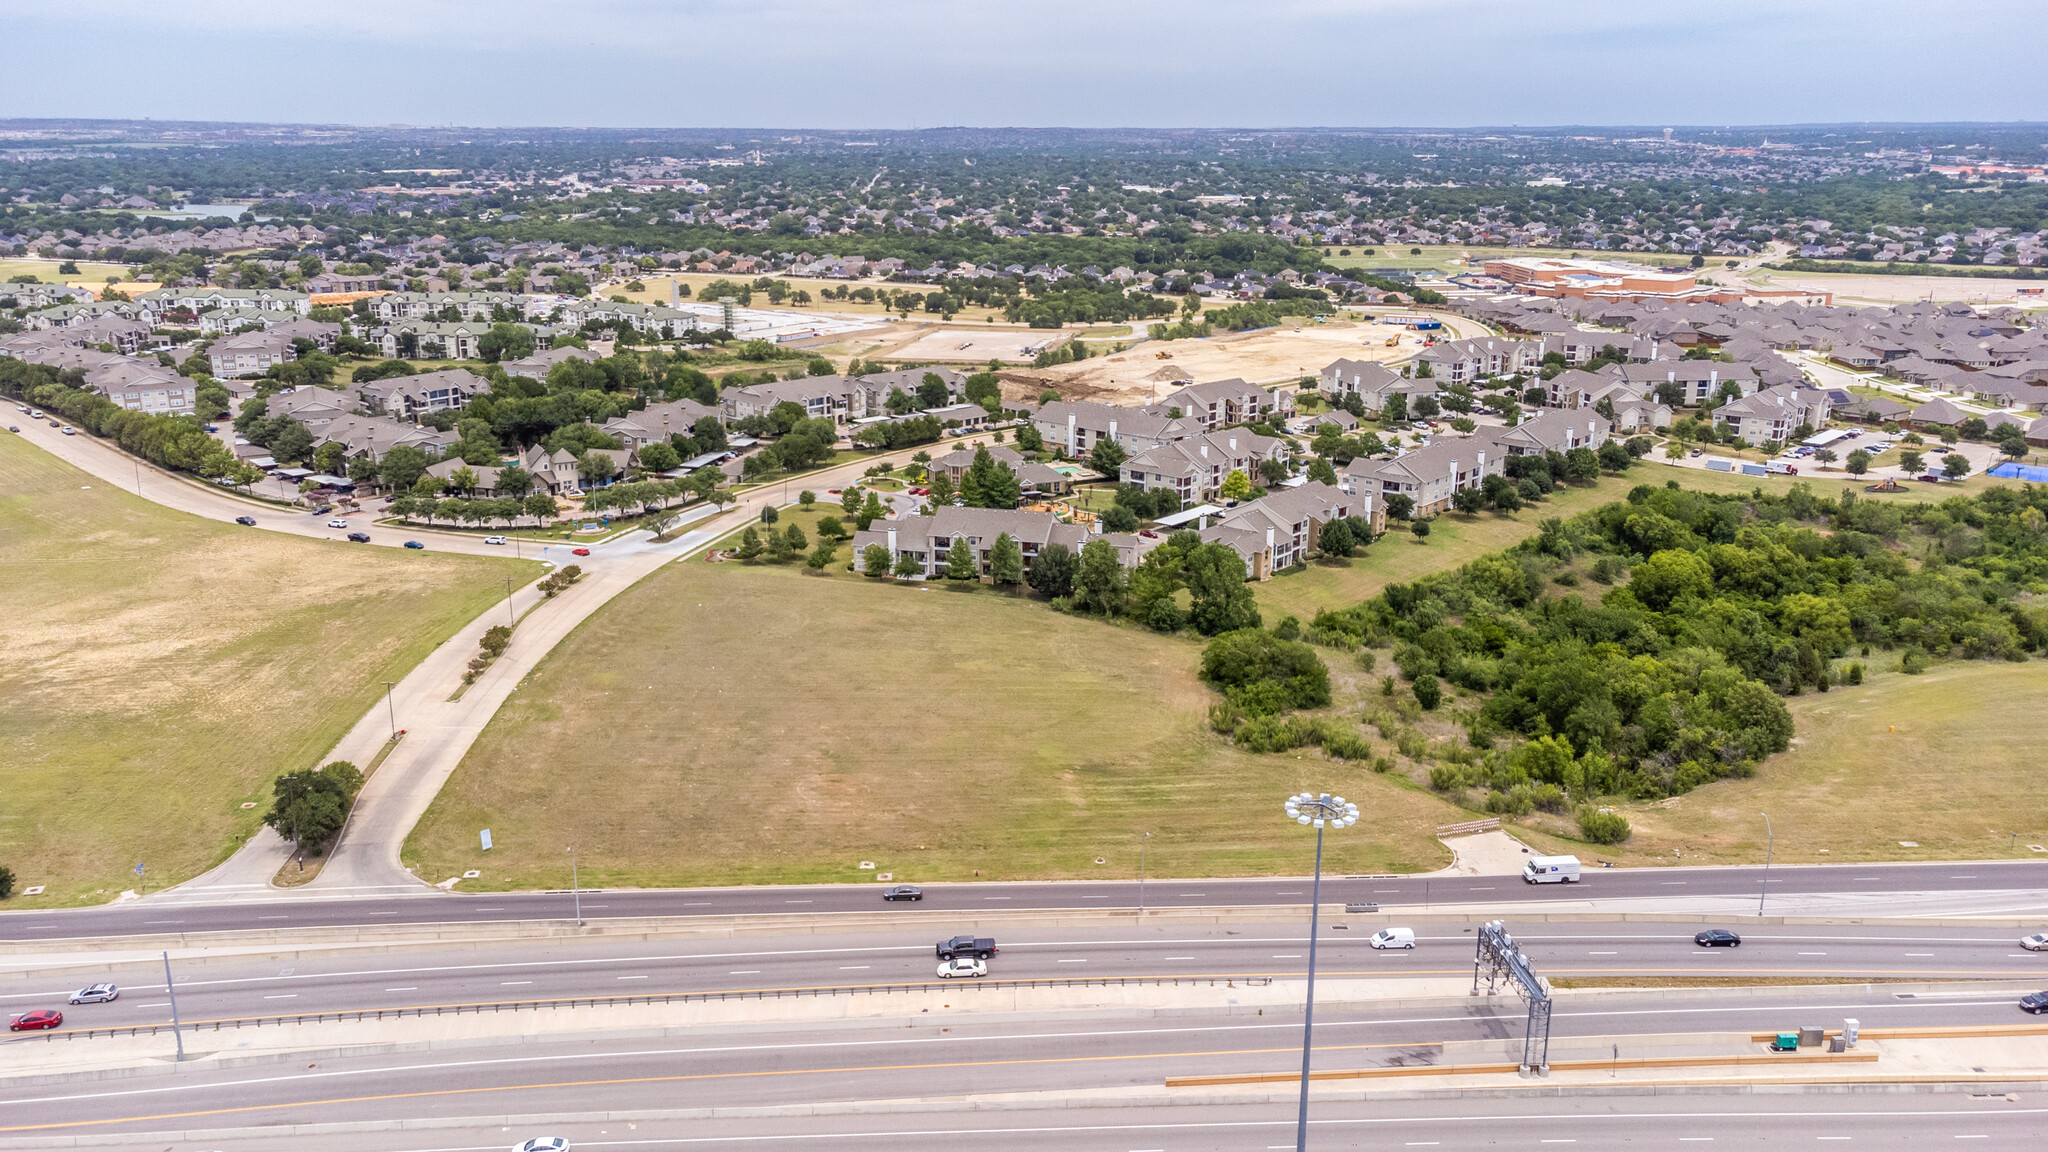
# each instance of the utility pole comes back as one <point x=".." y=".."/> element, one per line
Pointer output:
<point x="176" y="1032"/>
<point x="574" y="887"/>
<point x="1770" y="849"/>
<point x="509" y="617"/>
<point x="391" y="709"/>
<point x="1141" y="871"/>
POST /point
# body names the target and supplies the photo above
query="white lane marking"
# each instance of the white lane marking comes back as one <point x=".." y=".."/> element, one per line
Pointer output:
<point x="1094" y="897"/>
<point x="1603" y="953"/>
<point x="158" y="1004"/>
<point x="1288" y="956"/>
<point x="286" y="996"/>
<point x="509" y="983"/>
<point x="1289" y="893"/>
<point x="1479" y="889"/>
<point x="1073" y="961"/>
<point x="1813" y="953"/>
<point x="632" y="977"/>
<point x="697" y="904"/>
<point x="163" y="921"/>
<point x="995" y="897"/>
<point x="414" y="988"/>
<point x="1177" y="957"/>
<point x="1834" y="1137"/>
<point x="745" y="972"/>
<point x="1695" y="1139"/>
<point x="1194" y="894"/>
<point x="797" y="901"/>
<point x="380" y="913"/>
<point x="855" y="967"/>
<point x="273" y="917"/>
<point x="1918" y="955"/>
<point x="1674" y="883"/>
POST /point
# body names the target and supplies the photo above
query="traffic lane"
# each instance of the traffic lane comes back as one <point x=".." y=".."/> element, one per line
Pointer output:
<point x="938" y="1058"/>
<point x="430" y="907"/>
<point x="241" y="987"/>
<point x="1196" y="1125"/>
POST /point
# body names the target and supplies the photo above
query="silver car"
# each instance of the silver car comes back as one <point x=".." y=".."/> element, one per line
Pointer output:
<point x="2038" y="942"/>
<point x="95" y="994"/>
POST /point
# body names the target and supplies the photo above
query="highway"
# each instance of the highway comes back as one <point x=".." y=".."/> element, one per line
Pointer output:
<point x="230" y="987"/>
<point x="931" y="1058"/>
<point x="197" y="911"/>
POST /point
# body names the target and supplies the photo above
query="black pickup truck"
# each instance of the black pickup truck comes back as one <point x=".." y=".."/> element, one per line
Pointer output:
<point x="981" y="948"/>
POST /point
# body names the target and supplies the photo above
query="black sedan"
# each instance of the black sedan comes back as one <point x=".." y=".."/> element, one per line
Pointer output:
<point x="2036" y="1003"/>
<point x="903" y="892"/>
<point x="1718" y="938"/>
<point x="249" y="521"/>
<point x="359" y="537"/>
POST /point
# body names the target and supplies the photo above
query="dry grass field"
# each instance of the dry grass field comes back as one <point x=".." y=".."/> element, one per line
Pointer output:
<point x="1942" y="761"/>
<point x="161" y="669"/>
<point x="724" y="724"/>
<point x="1266" y="356"/>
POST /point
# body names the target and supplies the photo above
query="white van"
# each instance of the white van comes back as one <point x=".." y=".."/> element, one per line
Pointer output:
<point x="1551" y="870"/>
<point x="1393" y="938"/>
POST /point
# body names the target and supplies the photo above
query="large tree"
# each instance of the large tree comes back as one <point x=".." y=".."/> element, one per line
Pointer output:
<point x="1100" y="585"/>
<point x="1221" y="599"/>
<point x="1053" y="571"/>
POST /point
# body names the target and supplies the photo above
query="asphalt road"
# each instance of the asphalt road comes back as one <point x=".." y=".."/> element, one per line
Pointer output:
<point x="242" y="987"/>
<point x="938" y="1058"/>
<point x="170" y="914"/>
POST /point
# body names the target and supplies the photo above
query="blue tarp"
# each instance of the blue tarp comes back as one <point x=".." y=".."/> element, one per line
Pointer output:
<point x="2016" y="471"/>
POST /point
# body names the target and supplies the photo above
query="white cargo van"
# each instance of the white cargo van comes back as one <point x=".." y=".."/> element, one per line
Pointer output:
<point x="1551" y="870"/>
<point x="1393" y="938"/>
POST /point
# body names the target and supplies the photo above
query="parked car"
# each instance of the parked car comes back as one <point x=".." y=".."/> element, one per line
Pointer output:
<point x="1930" y="478"/>
<point x="56" y="423"/>
<point x="579" y="552"/>
<point x="323" y="510"/>
<point x="70" y="431"/>
<point x="96" y="994"/>
<point x="359" y="537"/>
<point x="2035" y="1003"/>
<point x="542" y="1144"/>
<point x="337" y="523"/>
<point x="903" y="892"/>
<point x="494" y="539"/>
<point x="1717" y="938"/>
<point x="2038" y="942"/>
<point x="213" y="427"/>
<point x="414" y="544"/>
<point x="14" y="427"/>
<point x="964" y="966"/>
<point x="37" y="1020"/>
<point x="250" y="521"/>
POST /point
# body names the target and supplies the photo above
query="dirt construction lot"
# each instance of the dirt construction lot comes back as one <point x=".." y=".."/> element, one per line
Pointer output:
<point x="1266" y="356"/>
<point x="979" y="345"/>
<point x="1851" y="289"/>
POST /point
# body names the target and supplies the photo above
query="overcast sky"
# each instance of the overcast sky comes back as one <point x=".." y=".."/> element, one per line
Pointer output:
<point x="1083" y="63"/>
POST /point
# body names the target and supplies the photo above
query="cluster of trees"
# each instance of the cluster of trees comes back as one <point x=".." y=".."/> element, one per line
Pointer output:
<point x="989" y="483"/>
<point x="490" y="646"/>
<point x="554" y="582"/>
<point x="177" y="442"/>
<point x="901" y="433"/>
<point x="457" y="510"/>
<point x="309" y="808"/>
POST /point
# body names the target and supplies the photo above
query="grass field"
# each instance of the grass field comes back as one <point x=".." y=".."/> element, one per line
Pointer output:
<point x="89" y="274"/>
<point x="1945" y="761"/>
<point x="1439" y="257"/>
<point x="161" y="669"/>
<point x="730" y="724"/>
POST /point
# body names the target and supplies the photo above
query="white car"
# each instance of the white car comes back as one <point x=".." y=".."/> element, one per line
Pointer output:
<point x="542" y="1144"/>
<point x="2038" y="942"/>
<point x="95" y="994"/>
<point x="964" y="966"/>
<point x="337" y="523"/>
<point x="494" y="539"/>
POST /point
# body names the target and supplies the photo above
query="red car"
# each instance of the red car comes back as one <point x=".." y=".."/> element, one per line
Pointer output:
<point x="36" y="1020"/>
<point x="580" y="552"/>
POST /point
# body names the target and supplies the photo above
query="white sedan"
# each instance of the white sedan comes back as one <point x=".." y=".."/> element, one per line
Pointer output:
<point x="542" y="1144"/>
<point x="964" y="966"/>
<point x="337" y="523"/>
<point x="2038" y="942"/>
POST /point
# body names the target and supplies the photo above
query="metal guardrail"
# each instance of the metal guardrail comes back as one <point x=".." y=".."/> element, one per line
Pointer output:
<point x="1489" y="824"/>
<point x="493" y="1007"/>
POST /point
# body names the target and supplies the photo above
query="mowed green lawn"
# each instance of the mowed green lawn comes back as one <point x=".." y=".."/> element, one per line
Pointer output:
<point x="162" y="669"/>
<point x="725" y="724"/>
<point x="1947" y="762"/>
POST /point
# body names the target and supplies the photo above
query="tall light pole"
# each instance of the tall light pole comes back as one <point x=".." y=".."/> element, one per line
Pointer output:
<point x="509" y="617"/>
<point x="1771" y="846"/>
<point x="1324" y="811"/>
<point x="391" y="709"/>
<point x="1141" y="871"/>
<point x="575" y="887"/>
<point x="177" y="1031"/>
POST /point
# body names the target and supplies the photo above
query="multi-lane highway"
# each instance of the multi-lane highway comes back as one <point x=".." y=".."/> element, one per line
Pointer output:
<point x="930" y="1058"/>
<point x="491" y="972"/>
<point x="357" y="908"/>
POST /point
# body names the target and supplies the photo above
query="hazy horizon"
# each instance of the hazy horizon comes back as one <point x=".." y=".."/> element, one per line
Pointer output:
<point x="897" y="64"/>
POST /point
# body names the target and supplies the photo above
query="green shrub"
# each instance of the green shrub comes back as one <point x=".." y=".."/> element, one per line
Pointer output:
<point x="1278" y="733"/>
<point x="1513" y="802"/>
<point x="1913" y="662"/>
<point x="1428" y="692"/>
<point x="1853" y="674"/>
<point x="1264" y="674"/>
<point x="1289" y="628"/>
<point x="1386" y="685"/>
<point x="1383" y="764"/>
<point x="1225" y="717"/>
<point x="1445" y="777"/>
<point x="1411" y="744"/>
<point x="1548" y="797"/>
<point x="1367" y="658"/>
<point x="1343" y="744"/>
<point x="6" y="882"/>
<point x="1602" y="827"/>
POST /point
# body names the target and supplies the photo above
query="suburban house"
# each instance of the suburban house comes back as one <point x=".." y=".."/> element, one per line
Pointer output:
<point x="1222" y="403"/>
<point x="1553" y="430"/>
<point x="198" y="300"/>
<point x="1775" y="413"/>
<point x="408" y="396"/>
<point x="1077" y="426"/>
<point x="433" y="339"/>
<point x="321" y="334"/>
<point x="926" y="539"/>
<point x="838" y="397"/>
<point x="875" y="388"/>
<point x="367" y="437"/>
<point x="655" y="423"/>
<point x="1372" y="381"/>
<point x="553" y="472"/>
<point x="1280" y="529"/>
<point x="537" y="366"/>
<point x="1464" y="361"/>
<point x="1937" y="414"/>
<point x="144" y="387"/>
<point x="392" y="307"/>
<point x="220" y="323"/>
<point x="16" y="295"/>
<point x="250" y="354"/>
<point x="486" y="477"/>
<point x="1431" y="474"/>
<point x="1194" y="469"/>
<point x="1032" y="476"/>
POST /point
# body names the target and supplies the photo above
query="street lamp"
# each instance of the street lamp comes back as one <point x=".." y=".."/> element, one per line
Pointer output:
<point x="575" y="887"/>
<point x="1322" y="810"/>
<point x="1770" y="847"/>
<point x="1141" y="870"/>
<point x="391" y="709"/>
